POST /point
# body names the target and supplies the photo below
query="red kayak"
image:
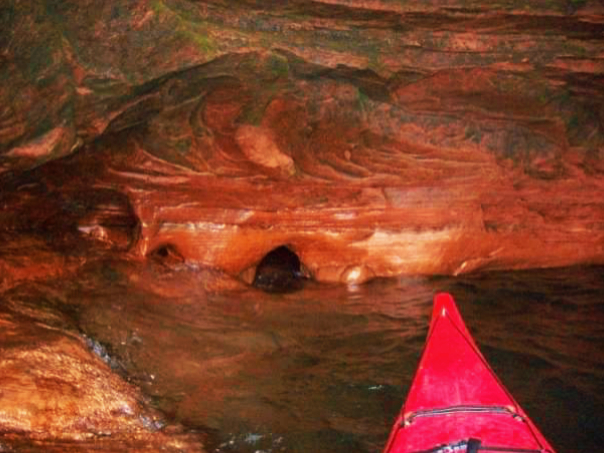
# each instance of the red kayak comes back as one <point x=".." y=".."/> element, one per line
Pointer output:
<point x="456" y="402"/>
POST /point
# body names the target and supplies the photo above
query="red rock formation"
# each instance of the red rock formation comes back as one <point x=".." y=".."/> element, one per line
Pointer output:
<point x="372" y="138"/>
<point x="57" y="396"/>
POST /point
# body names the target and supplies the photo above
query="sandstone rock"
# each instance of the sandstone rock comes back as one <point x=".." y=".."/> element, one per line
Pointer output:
<point x="371" y="138"/>
<point x="58" y="396"/>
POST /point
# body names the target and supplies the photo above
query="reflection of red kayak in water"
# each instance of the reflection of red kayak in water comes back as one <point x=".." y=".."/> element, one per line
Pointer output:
<point x="456" y="402"/>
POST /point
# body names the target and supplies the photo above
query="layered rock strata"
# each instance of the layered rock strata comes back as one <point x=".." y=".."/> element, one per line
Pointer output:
<point x="369" y="138"/>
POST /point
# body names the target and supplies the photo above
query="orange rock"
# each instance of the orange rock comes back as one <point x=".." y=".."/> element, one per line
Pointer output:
<point x="371" y="138"/>
<point x="55" y="390"/>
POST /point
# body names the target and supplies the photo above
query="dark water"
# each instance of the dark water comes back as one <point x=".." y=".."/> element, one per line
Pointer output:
<point x="326" y="369"/>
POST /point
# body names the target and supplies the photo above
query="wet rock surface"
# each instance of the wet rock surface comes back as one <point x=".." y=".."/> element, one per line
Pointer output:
<point x="61" y="390"/>
<point x="376" y="138"/>
<point x="373" y="138"/>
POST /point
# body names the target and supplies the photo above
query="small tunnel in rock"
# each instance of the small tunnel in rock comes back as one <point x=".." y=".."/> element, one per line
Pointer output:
<point x="166" y="254"/>
<point x="279" y="271"/>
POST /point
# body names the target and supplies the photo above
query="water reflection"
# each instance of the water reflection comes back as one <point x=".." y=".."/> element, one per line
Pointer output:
<point x="327" y="368"/>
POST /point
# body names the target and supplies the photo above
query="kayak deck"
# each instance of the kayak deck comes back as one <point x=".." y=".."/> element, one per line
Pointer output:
<point x="456" y="402"/>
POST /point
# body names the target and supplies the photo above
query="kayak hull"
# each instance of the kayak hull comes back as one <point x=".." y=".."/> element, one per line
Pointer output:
<point x="456" y="402"/>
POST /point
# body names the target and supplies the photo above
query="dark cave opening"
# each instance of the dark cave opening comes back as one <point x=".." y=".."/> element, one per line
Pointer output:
<point x="280" y="271"/>
<point x="166" y="254"/>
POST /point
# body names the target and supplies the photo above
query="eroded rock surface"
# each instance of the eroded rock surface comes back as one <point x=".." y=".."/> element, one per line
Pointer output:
<point x="370" y="138"/>
<point x="59" y="392"/>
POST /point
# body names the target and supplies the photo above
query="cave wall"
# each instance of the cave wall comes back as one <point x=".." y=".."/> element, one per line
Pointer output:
<point x="373" y="138"/>
<point x="369" y="138"/>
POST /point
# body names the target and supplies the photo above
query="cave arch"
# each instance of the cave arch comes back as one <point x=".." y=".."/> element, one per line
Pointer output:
<point x="280" y="271"/>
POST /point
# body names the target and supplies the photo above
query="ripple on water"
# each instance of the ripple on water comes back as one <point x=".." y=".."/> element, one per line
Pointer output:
<point x="327" y="368"/>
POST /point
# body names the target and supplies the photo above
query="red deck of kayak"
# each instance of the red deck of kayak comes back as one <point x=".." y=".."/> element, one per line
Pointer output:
<point x="455" y="397"/>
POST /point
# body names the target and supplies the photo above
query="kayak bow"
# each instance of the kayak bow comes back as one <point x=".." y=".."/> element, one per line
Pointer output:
<point x="456" y="402"/>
